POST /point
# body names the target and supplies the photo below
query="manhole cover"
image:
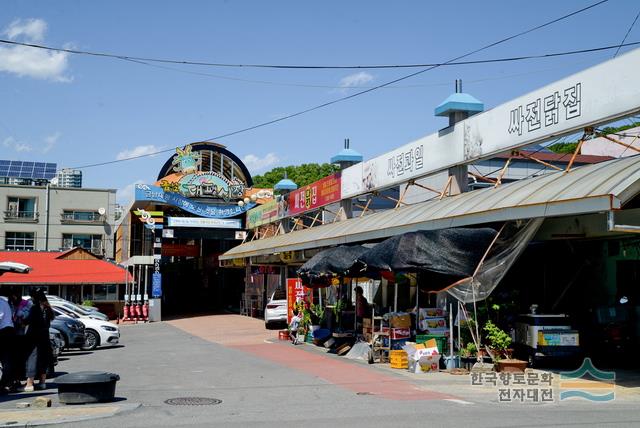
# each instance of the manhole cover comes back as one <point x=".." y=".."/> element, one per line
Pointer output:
<point x="364" y="393"/>
<point x="192" y="401"/>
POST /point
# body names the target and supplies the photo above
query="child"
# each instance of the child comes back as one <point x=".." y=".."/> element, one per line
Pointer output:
<point x="294" y="325"/>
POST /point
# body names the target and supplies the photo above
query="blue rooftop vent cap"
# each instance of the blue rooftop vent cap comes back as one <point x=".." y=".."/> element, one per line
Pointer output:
<point x="347" y="154"/>
<point x="459" y="102"/>
<point x="285" y="184"/>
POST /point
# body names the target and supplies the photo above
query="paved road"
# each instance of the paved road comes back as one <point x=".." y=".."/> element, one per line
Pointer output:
<point x="275" y="384"/>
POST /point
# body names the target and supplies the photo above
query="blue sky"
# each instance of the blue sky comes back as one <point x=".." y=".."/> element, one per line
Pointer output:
<point x="78" y="110"/>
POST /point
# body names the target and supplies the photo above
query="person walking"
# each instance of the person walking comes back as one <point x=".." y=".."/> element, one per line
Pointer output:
<point x="37" y="339"/>
<point x="7" y="341"/>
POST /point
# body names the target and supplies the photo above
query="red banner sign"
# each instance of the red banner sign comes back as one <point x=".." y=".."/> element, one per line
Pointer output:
<point x="315" y="195"/>
<point x="296" y="292"/>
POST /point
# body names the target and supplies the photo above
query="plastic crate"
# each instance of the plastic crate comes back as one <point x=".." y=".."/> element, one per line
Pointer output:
<point x="399" y="359"/>
<point x="441" y="340"/>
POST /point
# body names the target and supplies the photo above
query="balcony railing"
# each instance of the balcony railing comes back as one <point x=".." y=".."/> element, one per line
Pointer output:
<point x="74" y="218"/>
<point x="22" y="216"/>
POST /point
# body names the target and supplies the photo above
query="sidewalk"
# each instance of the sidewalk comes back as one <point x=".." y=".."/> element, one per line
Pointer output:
<point x="61" y="415"/>
<point x="249" y="335"/>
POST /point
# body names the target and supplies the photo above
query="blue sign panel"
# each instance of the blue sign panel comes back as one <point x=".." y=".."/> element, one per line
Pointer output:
<point x="146" y="192"/>
<point x="156" y="285"/>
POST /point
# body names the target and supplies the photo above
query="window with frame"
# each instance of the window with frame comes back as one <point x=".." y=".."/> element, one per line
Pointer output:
<point x="81" y="216"/>
<point x="89" y="242"/>
<point x="21" y="208"/>
<point x="20" y="241"/>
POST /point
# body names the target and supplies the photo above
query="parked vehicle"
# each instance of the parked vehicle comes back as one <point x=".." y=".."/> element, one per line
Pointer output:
<point x="70" y="307"/>
<point x="276" y="310"/>
<point x="97" y="332"/>
<point x="57" y="343"/>
<point x="72" y="331"/>
<point x="54" y="298"/>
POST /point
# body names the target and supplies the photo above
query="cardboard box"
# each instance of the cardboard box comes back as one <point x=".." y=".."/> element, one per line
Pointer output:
<point x="400" y="333"/>
<point x="400" y="321"/>
<point x="432" y="313"/>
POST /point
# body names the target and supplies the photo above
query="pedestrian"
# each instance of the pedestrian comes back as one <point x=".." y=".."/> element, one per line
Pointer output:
<point x="362" y="307"/>
<point x="7" y="341"/>
<point x="294" y="326"/>
<point x="39" y="353"/>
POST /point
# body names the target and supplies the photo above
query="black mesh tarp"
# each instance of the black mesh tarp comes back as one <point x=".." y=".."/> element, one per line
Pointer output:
<point x="451" y="252"/>
<point x="329" y="263"/>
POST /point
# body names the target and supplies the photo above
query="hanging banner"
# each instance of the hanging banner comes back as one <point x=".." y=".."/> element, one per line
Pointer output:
<point x="315" y="195"/>
<point x="146" y="192"/>
<point x="600" y="94"/>
<point x="296" y="292"/>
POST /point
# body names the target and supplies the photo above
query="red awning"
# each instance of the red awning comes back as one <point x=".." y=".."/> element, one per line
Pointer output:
<point x="56" y="267"/>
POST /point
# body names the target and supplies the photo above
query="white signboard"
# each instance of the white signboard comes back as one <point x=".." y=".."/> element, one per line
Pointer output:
<point x="600" y="94"/>
<point x="222" y="223"/>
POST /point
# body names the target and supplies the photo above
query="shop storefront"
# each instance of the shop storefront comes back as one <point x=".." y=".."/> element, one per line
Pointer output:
<point x="177" y="227"/>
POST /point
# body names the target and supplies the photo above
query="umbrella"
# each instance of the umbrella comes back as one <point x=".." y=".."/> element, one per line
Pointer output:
<point x="13" y="267"/>
<point x="332" y="262"/>
<point x="448" y="252"/>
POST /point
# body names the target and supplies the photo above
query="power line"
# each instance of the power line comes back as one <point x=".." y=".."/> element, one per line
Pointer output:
<point x="625" y="36"/>
<point x="147" y="61"/>
<point x="477" y="62"/>
<point x="366" y="91"/>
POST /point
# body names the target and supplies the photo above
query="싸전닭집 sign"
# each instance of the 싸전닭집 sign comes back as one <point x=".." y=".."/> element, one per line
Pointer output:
<point x="600" y="94"/>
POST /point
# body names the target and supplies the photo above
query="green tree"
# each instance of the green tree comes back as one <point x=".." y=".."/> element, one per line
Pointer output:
<point x="300" y="174"/>
<point x="571" y="147"/>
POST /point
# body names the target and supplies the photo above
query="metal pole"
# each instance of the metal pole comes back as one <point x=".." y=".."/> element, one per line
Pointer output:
<point x="395" y="297"/>
<point x="459" y="322"/>
<point x="46" y="226"/>
<point x="451" y="334"/>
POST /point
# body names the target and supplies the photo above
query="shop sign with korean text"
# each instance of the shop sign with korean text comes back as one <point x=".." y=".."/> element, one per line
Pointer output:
<point x="315" y="195"/>
<point x="296" y="292"/>
<point x="600" y="94"/>
<point x="263" y="214"/>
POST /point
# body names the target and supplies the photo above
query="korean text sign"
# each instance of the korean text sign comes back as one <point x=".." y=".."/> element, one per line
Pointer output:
<point x="315" y="195"/>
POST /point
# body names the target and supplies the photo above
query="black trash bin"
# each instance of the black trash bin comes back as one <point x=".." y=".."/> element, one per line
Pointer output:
<point x="87" y="387"/>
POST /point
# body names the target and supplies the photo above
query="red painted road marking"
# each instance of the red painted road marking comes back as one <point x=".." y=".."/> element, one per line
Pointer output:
<point x="345" y="375"/>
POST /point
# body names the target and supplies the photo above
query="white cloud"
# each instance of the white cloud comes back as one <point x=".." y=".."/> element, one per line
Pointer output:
<point x="125" y="195"/>
<point x="31" y="29"/>
<point x="356" y="79"/>
<point x="32" y="62"/>
<point x="50" y="141"/>
<point x="18" y="146"/>
<point x="138" y="151"/>
<point x="256" y="164"/>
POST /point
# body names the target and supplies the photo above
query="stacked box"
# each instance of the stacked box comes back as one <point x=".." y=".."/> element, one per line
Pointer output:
<point x="399" y="359"/>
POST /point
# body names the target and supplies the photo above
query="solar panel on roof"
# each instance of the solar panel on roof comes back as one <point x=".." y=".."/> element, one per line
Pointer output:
<point x="29" y="169"/>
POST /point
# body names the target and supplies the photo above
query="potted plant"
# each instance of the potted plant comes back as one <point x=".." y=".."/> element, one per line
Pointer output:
<point x="316" y="316"/>
<point x="499" y="350"/>
<point x="468" y="355"/>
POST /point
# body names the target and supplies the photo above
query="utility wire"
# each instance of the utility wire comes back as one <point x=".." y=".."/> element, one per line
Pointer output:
<point x="147" y="61"/>
<point x="625" y="36"/>
<point x="366" y="91"/>
<point x="486" y="61"/>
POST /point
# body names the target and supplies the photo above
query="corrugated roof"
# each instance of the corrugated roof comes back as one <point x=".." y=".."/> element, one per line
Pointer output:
<point x="51" y="267"/>
<point x="587" y="189"/>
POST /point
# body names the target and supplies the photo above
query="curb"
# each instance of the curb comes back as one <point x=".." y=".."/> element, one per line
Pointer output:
<point x="61" y="415"/>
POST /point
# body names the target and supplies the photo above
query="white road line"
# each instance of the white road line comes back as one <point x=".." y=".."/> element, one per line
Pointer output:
<point x="454" y="400"/>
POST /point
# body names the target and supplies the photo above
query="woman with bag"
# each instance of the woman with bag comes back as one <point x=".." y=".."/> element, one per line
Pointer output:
<point x="39" y="353"/>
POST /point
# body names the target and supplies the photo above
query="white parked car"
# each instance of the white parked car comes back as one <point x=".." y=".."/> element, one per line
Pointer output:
<point x="276" y="310"/>
<point x="54" y="298"/>
<point x="97" y="332"/>
<point x="70" y="307"/>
